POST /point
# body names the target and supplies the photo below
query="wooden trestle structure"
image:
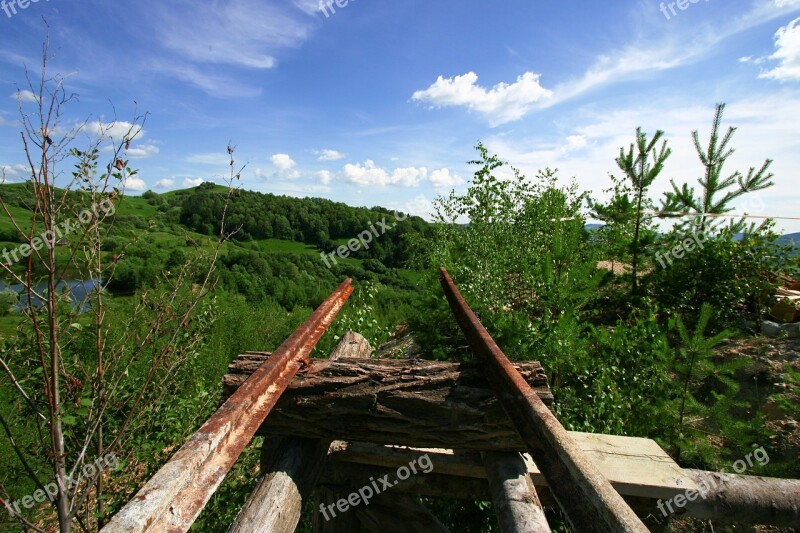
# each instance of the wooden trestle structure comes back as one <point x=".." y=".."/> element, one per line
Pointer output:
<point x="338" y="427"/>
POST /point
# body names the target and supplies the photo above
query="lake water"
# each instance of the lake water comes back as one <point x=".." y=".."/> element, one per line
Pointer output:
<point x="79" y="291"/>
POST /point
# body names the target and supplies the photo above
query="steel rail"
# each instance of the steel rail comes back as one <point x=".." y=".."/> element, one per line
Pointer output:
<point x="173" y="498"/>
<point x="584" y="494"/>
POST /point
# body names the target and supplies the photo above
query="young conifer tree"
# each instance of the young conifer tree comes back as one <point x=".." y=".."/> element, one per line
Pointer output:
<point x="716" y="192"/>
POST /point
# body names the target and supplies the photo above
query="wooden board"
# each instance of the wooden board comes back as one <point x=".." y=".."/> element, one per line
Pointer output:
<point x="635" y="466"/>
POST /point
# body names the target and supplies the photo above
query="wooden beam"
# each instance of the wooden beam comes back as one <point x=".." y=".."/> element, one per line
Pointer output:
<point x="635" y="466"/>
<point x="417" y="403"/>
<point x="515" y="501"/>
<point x="291" y="468"/>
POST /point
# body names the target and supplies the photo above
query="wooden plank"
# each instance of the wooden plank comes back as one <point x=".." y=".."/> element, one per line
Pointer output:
<point x="635" y="466"/>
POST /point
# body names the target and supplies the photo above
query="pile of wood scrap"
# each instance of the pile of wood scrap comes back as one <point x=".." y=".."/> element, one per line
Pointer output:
<point x="787" y="308"/>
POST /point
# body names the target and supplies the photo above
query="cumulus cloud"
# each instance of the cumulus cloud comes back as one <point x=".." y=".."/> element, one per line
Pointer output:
<point x="501" y="104"/>
<point x="192" y="182"/>
<point x="323" y="176"/>
<point x="165" y="183"/>
<point x="443" y="179"/>
<point x="14" y="171"/>
<point x="369" y="174"/>
<point x="142" y="151"/>
<point x="329" y="155"/>
<point x="284" y="166"/>
<point x="282" y="162"/>
<point x="787" y="53"/>
<point x="133" y="183"/>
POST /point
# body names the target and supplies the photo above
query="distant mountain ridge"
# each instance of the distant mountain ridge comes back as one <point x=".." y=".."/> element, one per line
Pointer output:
<point x="789" y="238"/>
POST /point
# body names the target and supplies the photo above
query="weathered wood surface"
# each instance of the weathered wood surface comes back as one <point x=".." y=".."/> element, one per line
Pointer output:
<point x="635" y="466"/>
<point x="728" y="498"/>
<point x="291" y="468"/>
<point x="277" y="501"/>
<point x="420" y="403"/>
<point x="515" y="501"/>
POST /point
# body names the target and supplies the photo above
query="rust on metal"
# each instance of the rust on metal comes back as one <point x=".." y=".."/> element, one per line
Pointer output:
<point x="174" y="497"/>
<point x="585" y="495"/>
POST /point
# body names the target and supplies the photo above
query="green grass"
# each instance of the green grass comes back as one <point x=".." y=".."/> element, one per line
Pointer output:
<point x="136" y="206"/>
<point x="281" y="246"/>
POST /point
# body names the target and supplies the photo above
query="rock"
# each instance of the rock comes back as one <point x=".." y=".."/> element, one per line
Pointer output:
<point x="792" y="330"/>
<point x="770" y="329"/>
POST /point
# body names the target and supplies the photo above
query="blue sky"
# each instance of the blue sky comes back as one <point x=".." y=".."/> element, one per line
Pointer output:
<point x="381" y="103"/>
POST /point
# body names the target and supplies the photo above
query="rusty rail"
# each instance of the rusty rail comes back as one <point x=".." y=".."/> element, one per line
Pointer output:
<point x="177" y="493"/>
<point x="585" y="495"/>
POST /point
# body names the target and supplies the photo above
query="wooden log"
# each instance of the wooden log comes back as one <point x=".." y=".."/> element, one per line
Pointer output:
<point x="398" y="513"/>
<point x="515" y="502"/>
<point x="732" y="498"/>
<point x="416" y="403"/>
<point x="291" y="468"/>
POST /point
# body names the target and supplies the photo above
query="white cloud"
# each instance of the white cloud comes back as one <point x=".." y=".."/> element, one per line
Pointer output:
<point x="11" y="173"/>
<point x="192" y="182"/>
<point x="501" y="104"/>
<point x="418" y="206"/>
<point x="282" y="162"/>
<point x="116" y="131"/>
<point x="787" y="53"/>
<point x="142" y="151"/>
<point x="132" y="183"/>
<point x="15" y="170"/>
<point x="25" y="96"/>
<point x="324" y="177"/>
<point x="329" y="155"/>
<point x="408" y="176"/>
<point x="165" y="183"/>
<point x="443" y="179"/>
<point x="368" y="174"/>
